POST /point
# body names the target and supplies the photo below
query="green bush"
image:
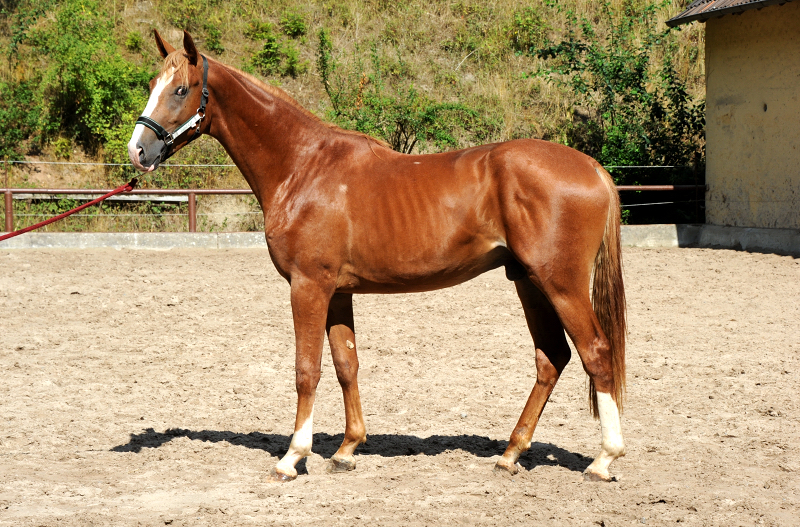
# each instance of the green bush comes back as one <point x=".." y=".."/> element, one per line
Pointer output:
<point x="19" y="113"/>
<point x="363" y="100"/>
<point x="257" y="30"/>
<point x="268" y="59"/>
<point x="213" y="38"/>
<point x="134" y="41"/>
<point x="275" y="57"/>
<point x="527" y="30"/>
<point x="630" y="110"/>
<point x="83" y="90"/>
<point x="293" y="24"/>
<point x="292" y="65"/>
<point x="62" y="147"/>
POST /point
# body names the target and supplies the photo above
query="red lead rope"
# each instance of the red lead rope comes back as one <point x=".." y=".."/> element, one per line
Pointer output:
<point x="127" y="187"/>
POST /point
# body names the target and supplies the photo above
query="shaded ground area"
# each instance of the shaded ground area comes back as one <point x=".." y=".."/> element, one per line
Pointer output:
<point x="157" y="388"/>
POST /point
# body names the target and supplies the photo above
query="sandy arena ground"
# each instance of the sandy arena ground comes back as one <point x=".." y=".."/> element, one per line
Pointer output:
<point x="157" y="388"/>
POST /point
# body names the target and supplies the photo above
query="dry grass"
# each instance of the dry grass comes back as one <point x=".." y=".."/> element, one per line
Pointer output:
<point x="425" y="35"/>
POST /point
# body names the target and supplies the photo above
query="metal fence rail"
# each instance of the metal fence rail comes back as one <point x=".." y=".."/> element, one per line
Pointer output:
<point x="192" y="194"/>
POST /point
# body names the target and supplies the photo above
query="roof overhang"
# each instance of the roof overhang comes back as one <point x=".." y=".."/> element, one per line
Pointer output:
<point x="702" y="10"/>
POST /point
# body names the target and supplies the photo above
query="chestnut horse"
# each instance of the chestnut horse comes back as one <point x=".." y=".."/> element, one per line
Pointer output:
<point x="345" y="214"/>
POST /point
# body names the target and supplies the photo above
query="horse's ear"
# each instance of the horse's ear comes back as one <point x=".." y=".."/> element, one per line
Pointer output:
<point x="189" y="48"/>
<point x="163" y="46"/>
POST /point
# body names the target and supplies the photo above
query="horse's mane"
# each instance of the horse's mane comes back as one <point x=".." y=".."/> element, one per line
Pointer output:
<point x="180" y="62"/>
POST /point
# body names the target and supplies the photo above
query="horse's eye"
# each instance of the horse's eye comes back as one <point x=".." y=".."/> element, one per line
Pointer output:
<point x="181" y="91"/>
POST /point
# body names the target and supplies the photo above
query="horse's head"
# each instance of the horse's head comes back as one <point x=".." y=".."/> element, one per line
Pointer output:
<point x="176" y="108"/>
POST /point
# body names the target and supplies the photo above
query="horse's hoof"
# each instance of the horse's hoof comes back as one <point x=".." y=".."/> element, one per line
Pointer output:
<point x="506" y="468"/>
<point x="280" y="477"/>
<point x="341" y="465"/>
<point x="591" y="475"/>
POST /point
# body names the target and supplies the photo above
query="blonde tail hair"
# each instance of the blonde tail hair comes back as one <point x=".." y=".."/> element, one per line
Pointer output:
<point x="608" y="296"/>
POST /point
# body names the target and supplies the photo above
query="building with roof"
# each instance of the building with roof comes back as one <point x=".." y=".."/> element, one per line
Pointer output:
<point x="752" y="111"/>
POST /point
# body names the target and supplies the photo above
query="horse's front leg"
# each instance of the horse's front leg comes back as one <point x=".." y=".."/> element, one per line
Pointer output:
<point x="342" y="337"/>
<point x="309" y="310"/>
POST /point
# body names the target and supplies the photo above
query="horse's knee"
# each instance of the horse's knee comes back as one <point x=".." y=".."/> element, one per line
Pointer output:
<point x="307" y="381"/>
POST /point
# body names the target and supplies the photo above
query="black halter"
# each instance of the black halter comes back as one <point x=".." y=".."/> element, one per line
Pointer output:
<point x="193" y="122"/>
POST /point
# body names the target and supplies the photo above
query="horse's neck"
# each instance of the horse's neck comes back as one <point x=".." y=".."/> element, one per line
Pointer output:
<point x="264" y="134"/>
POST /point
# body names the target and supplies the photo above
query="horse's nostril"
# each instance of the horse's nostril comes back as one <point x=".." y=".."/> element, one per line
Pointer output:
<point x="141" y="155"/>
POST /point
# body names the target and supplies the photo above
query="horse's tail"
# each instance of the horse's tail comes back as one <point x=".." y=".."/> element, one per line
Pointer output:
<point x="608" y="296"/>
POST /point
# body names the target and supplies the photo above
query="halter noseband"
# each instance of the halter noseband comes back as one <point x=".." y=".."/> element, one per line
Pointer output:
<point x="193" y="122"/>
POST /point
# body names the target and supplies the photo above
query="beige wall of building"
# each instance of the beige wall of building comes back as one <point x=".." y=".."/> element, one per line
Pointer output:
<point x="753" y="118"/>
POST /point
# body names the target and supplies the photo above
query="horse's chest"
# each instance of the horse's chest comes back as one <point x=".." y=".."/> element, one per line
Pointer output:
<point x="306" y="240"/>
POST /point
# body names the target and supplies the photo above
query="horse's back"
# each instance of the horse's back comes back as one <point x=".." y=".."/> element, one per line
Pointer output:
<point x="421" y="222"/>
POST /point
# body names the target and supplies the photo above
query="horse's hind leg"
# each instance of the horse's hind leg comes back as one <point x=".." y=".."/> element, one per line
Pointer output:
<point x="578" y="317"/>
<point x="552" y="355"/>
<point x="341" y="335"/>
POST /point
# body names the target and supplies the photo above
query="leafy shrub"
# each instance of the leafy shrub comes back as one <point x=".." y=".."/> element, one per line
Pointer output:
<point x="25" y="15"/>
<point x="84" y="89"/>
<point x="639" y="112"/>
<point x="363" y="100"/>
<point x="258" y="30"/>
<point x="214" y="38"/>
<point x="62" y="147"/>
<point x="527" y="30"/>
<point x="268" y="59"/>
<point x="292" y="65"/>
<point x="134" y="41"/>
<point x="19" y="113"/>
<point x="293" y="24"/>
<point x="276" y="57"/>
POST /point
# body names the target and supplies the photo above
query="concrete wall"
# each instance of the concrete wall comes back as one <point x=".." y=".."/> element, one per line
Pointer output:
<point x="782" y="241"/>
<point x="753" y="118"/>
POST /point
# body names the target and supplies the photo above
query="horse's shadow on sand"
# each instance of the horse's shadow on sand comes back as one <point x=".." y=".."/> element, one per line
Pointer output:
<point x="385" y="445"/>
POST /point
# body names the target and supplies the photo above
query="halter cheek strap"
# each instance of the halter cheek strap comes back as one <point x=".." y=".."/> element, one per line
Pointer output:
<point x="194" y="122"/>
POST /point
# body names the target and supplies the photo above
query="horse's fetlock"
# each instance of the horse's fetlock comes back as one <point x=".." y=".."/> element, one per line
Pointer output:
<point x="614" y="448"/>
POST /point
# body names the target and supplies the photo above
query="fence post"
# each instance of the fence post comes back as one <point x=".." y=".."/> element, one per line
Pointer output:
<point x="192" y="212"/>
<point x="696" y="170"/>
<point x="9" y="211"/>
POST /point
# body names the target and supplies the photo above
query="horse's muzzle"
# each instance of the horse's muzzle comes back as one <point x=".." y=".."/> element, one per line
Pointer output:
<point x="139" y="158"/>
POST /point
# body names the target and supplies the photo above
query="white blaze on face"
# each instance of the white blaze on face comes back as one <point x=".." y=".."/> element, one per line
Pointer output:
<point x="161" y="83"/>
